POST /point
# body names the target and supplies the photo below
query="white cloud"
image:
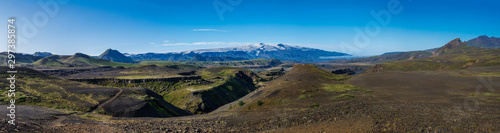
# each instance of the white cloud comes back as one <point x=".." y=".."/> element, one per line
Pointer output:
<point x="166" y="41"/>
<point x="216" y="30"/>
<point x="152" y="43"/>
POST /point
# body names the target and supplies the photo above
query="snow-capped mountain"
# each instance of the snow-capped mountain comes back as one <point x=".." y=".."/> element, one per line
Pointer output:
<point x="253" y="51"/>
<point x="251" y="48"/>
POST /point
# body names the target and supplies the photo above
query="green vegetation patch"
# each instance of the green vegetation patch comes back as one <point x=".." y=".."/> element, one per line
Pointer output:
<point x="259" y="103"/>
<point x="413" y="65"/>
<point x="484" y="95"/>
<point x="451" y="60"/>
<point x="144" y="77"/>
<point x="77" y="60"/>
<point x="219" y="72"/>
<point x="35" y="88"/>
<point x="344" y="96"/>
<point x="304" y="96"/>
<point x="314" y="105"/>
<point x="339" y="87"/>
<point x="177" y="97"/>
<point x="348" y="90"/>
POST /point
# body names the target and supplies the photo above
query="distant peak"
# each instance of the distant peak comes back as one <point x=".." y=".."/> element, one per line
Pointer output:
<point x="453" y="44"/>
<point x="42" y="54"/>
<point x="115" y="55"/>
<point x="258" y="45"/>
<point x="81" y="55"/>
<point x="484" y="41"/>
<point x="456" y="40"/>
<point x="111" y="50"/>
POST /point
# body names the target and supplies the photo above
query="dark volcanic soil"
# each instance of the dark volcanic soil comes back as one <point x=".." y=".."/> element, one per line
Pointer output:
<point x="432" y="101"/>
<point x="419" y="101"/>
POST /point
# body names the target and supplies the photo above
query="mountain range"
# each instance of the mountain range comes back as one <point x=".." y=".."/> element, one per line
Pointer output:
<point x="479" y="42"/>
<point x="484" y="42"/>
<point x="254" y="51"/>
<point x="454" y="55"/>
<point x="76" y="60"/>
<point x="291" y="53"/>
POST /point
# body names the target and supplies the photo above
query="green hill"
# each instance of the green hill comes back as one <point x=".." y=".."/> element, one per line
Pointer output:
<point x="20" y="58"/>
<point x="304" y="87"/>
<point x="449" y="47"/>
<point x="197" y="91"/>
<point x="386" y="57"/>
<point x="39" y="89"/>
<point x="222" y="85"/>
<point x="36" y="88"/>
<point x="454" y="55"/>
<point x="115" y="56"/>
<point x="50" y="61"/>
<point x="76" y="60"/>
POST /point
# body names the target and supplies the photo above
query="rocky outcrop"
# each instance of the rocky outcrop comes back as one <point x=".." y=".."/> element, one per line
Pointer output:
<point x="141" y="102"/>
<point x="454" y="44"/>
<point x="115" y="56"/>
<point x="485" y="42"/>
<point x="205" y="101"/>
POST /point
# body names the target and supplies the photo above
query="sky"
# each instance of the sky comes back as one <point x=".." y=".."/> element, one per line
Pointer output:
<point x="358" y="27"/>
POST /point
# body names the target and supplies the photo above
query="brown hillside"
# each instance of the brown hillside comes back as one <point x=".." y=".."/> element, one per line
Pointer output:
<point x="453" y="44"/>
<point x="299" y="89"/>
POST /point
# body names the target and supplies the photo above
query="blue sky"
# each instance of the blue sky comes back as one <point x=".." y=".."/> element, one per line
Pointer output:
<point x="133" y="26"/>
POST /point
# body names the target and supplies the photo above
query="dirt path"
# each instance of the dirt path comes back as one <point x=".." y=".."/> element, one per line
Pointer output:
<point x="108" y="101"/>
<point x="58" y="121"/>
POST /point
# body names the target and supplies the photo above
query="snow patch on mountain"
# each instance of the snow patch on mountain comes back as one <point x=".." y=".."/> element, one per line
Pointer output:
<point x="250" y="48"/>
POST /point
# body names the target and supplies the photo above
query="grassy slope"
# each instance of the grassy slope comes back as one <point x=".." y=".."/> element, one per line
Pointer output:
<point x="218" y="86"/>
<point x="82" y="60"/>
<point x="77" y="60"/>
<point x="452" y="59"/>
<point x="36" y="88"/>
<point x="228" y="84"/>
<point x="20" y="58"/>
<point x="92" y="61"/>
<point x="306" y="86"/>
<point x="150" y="71"/>
<point x="386" y="58"/>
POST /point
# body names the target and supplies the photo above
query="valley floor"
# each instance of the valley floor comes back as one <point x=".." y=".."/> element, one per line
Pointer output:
<point x="417" y="101"/>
